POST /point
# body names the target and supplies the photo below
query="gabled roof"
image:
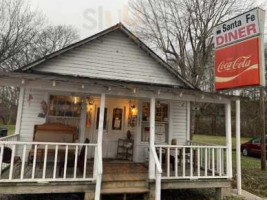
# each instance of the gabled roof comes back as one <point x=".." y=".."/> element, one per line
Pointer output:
<point x="30" y="67"/>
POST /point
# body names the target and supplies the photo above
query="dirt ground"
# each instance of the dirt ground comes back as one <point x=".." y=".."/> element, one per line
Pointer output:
<point x="207" y="194"/>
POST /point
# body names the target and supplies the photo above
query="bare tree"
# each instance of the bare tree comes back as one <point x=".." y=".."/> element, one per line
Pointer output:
<point x="181" y="31"/>
<point x="25" y="37"/>
<point x="18" y="25"/>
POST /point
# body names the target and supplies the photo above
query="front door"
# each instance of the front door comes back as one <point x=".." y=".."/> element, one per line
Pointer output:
<point x="114" y="125"/>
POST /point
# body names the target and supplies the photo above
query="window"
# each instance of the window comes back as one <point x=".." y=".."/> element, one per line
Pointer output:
<point x="161" y="122"/>
<point x="256" y="141"/>
<point x="65" y="106"/>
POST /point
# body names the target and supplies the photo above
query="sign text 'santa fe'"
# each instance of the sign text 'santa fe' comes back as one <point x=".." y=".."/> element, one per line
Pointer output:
<point x="236" y="29"/>
<point x="237" y="65"/>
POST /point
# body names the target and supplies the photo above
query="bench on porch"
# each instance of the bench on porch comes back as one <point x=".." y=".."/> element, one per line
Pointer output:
<point x="52" y="132"/>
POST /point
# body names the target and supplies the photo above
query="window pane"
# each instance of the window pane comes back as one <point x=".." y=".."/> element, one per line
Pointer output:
<point x="65" y="106"/>
<point x="161" y="122"/>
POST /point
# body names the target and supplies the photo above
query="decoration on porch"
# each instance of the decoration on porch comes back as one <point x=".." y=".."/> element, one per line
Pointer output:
<point x="89" y="110"/>
<point x="30" y="98"/>
<point x="44" y="109"/>
<point x="117" y="119"/>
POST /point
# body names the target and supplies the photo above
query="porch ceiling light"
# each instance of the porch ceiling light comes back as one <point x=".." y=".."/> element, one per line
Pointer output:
<point x="133" y="110"/>
<point x="75" y="99"/>
<point x="54" y="83"/>
<point x="23" y="81"/>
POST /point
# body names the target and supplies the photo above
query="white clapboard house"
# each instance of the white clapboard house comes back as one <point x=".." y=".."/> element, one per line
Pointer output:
<point x="106" y="115"/>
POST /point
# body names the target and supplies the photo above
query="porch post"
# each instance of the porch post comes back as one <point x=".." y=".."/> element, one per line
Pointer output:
<point x="188" y="121"/>
<point x="100" y="133"/>
<point x="19" y="112"/>
<point x="98" y="166"/>
<point x="228" y="138"/>
<point x="152" y="138"/>
<point x="238" y="159"/>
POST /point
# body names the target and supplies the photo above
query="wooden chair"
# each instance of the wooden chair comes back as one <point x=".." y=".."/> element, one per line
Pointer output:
<point x="71" y="160"/>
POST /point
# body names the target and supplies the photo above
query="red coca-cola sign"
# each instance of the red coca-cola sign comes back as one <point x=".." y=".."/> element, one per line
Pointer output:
<point x="237" y="65"/>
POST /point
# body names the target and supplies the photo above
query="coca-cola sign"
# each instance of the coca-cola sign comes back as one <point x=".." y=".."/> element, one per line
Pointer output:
<point x="237" y="65"/>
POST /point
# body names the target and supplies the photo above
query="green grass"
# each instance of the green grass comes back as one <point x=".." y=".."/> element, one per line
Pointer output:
<point x="220" y="140"/>
<point x="253" y="178"/>
<point x="11" y="128"/>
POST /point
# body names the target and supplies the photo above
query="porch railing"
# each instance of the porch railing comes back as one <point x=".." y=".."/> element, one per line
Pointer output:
<point x="158" y="173"/>
<point x="13" y="137"/>
<point x="193" y="162"/>
<point x="46" y="161"/>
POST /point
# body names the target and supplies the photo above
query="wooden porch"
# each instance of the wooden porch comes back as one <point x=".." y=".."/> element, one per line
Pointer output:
<point x="119" y="177"/>
<point x="112" y="171"/>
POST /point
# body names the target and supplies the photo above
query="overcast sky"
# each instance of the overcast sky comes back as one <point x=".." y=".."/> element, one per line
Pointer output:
<point x="88" y="16"/>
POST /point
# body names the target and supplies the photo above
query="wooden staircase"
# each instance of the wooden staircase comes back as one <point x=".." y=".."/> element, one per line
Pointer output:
<point x="130" y="178"/>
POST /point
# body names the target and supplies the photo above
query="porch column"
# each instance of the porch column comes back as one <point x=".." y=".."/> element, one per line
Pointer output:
<point x="228" y="138"/>
<point x="188" y="121"/>
<point x="19" y="112"/>
<point x="101" y="120"/>
<point x="238" y="159"/>
<point x="152" y="138"/>
<point x="98" y="165"/>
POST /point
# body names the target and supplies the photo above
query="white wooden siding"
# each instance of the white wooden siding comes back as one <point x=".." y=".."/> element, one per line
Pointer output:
<point x="30" y="113"/>
<point x="178" y="121"/>
<point x="112" y="57"/>
<point x="29" y="116"/>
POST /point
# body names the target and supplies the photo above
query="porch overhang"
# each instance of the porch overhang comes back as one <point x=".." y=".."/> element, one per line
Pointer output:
<point x="81" y="86"/>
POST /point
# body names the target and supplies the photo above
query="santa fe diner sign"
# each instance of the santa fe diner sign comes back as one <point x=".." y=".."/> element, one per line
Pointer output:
<point x="239" y="59"/>
<point x="236" y="29"/>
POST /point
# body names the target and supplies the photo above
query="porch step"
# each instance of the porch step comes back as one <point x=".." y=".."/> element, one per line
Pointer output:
<point x="131" y="190"/>
<point x="124" y="184"/>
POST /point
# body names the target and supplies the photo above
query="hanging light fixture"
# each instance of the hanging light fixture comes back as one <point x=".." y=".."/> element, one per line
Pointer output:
<point x="133" y="110"/>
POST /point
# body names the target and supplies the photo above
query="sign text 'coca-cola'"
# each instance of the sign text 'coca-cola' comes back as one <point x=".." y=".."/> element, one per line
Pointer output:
<point x="237" y="68"/>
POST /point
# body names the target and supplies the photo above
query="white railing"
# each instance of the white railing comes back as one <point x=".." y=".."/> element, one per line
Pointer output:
<point x="45" y="161"/>
<point x="13" y="137"/>
<point x="98" y="171"/>
<point x="158" y="174"/>
<point x="193" y="162"/>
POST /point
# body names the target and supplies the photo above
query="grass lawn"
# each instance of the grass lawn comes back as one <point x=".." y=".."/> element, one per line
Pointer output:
<point x="11" y="128"/>
<point x="253" y="179"/>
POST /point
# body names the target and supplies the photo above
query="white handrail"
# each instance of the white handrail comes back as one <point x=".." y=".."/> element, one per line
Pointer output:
<point x="196" y="157"/>
<point x="188" y="146"/>
<point x="32" y="154"/>
<point x="6" y="138"/>
<point x="100" y="162"/>
<point x="155" y="157"/>
<point x="191" y="142"/>
<point x="158" y="173"/>
<point x="48" y="143"/>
